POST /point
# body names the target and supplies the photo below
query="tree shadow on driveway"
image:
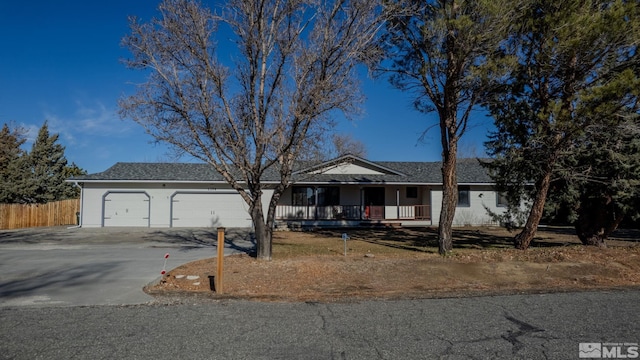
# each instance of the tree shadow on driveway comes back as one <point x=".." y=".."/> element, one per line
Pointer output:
<point x="69" y="277"/>
<point x="239" y="240"/>
<point x="37" y="235"/>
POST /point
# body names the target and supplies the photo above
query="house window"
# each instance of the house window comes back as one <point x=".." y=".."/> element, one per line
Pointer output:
<point x="328" y="196"/>
<point x="302" y="196"/>
<point x="501" y="199"/>
<point x="412" y="192"/>
<point x="463" y="196"/>
<point x="306" y="195"/>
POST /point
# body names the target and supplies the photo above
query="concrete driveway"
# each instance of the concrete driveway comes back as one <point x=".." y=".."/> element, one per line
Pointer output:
<point x="103" y="266"/>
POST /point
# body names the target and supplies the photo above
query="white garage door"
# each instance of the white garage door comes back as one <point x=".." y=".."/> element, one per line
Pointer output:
<point x="209" y="210"/>
<point x="126" y="209"/>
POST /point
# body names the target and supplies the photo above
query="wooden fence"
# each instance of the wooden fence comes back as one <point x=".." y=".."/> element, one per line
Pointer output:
<point x="15" y="216"/>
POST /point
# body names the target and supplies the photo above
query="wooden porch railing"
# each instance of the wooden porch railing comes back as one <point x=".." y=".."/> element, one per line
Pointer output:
<point x="353" y="212"/>
<point x="415" y="212"/>
<point x="311" y="212"/>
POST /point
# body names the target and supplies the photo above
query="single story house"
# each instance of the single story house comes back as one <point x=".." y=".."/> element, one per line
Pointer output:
<point x="347" y="191"/>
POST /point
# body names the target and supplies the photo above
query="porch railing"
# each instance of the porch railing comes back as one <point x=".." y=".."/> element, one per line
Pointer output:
<point x="415" y="212"/>
<point x="353" y="212"/>
<point x="312" y="212"/>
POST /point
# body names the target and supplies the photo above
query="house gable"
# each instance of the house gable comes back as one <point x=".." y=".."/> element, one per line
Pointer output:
<point x="350" y="165"/>
<point x="348" y="169"/>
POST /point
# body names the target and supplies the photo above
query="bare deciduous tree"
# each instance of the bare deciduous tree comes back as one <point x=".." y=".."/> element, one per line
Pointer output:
<point x="293" y="65"/>
<point x="331" y="146"/>
<point x="343" y="144"/>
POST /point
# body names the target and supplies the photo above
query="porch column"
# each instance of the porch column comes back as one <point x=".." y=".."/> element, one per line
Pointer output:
<point x="361" y="203"/>
<point x="315" y="205"/>
<point x="398" y="203"/>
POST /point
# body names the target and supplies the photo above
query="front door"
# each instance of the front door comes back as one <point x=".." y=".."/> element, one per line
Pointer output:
<point x="374" y="203"/>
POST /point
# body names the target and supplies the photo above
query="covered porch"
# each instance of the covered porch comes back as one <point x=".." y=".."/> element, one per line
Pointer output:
<point x="355" y="203"/>
<point x="353" y="212"/>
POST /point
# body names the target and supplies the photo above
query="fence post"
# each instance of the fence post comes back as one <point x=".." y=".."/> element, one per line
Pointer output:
<point x="220" y="260"/>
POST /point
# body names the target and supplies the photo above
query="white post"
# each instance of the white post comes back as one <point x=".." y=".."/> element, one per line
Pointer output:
<point x="398" y="203"/>
<point x="344" y="238"/>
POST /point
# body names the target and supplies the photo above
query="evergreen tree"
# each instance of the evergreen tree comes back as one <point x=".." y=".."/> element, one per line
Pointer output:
<point x="604" y="187"/>
<point x="12" y="164"/>
<point x="71" y="191"/>
<point x="572" y="66"/>
<point x="47" y="171"/>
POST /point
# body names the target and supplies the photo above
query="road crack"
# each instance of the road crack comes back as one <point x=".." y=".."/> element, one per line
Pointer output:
<point x="524" y="329"/>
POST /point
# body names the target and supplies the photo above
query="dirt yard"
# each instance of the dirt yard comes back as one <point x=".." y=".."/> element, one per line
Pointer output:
<point x="404" y="263"/>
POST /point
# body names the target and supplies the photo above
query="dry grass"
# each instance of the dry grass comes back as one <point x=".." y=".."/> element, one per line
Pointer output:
<point x="403" y="263"/>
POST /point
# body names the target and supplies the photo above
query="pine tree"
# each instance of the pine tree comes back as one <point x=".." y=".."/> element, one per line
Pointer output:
<point x="48" y="170"/>
<point x="573" y="66"/>
<point x="12" y="164"/>
<point x="604" y="186"/>
<point x="71" y="191"/>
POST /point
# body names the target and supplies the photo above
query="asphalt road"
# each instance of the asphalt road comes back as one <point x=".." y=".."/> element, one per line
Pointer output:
<point x="547" y="326"/>
<point x="73" y="266"/>
<point x="77" y="294"/>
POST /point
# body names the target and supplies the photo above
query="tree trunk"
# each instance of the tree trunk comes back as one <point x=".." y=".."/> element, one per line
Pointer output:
<point x="449" y="203"/>
<point x="524" y="238"/>
<point x="597" y="219"/>
<point x="263" y="232"/>
<point x="590" y="236"/>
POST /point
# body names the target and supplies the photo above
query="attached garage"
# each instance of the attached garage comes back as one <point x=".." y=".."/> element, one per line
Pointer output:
<point x="199" y="209"/>
<point x="126" y="209"/>
<point x="162" y="195"/>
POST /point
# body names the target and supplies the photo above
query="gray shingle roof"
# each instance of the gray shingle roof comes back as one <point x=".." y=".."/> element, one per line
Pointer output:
<point x="156" y="172"/>
<point x="469" y="171"/>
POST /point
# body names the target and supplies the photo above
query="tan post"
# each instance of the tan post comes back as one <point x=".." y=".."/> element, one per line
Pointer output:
<point x="220" y="260"/>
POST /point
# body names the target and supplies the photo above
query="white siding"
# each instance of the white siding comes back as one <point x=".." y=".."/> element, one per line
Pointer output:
<point x="197" y="209"/>
<point x="159" y="199"/>
<point x="475" y="214"/>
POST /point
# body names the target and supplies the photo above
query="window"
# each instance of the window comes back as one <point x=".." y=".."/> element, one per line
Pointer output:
<point x="501" y="199"/>
<point x="412" y="192"/>
<point x="328" y="196"/>
<point x="302" y="196"/>
<point x="463" y="196"/>
<point x="306" y="195"/>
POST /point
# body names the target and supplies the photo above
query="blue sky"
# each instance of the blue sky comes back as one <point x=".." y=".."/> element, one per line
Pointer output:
<point x="60" y="62"/>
